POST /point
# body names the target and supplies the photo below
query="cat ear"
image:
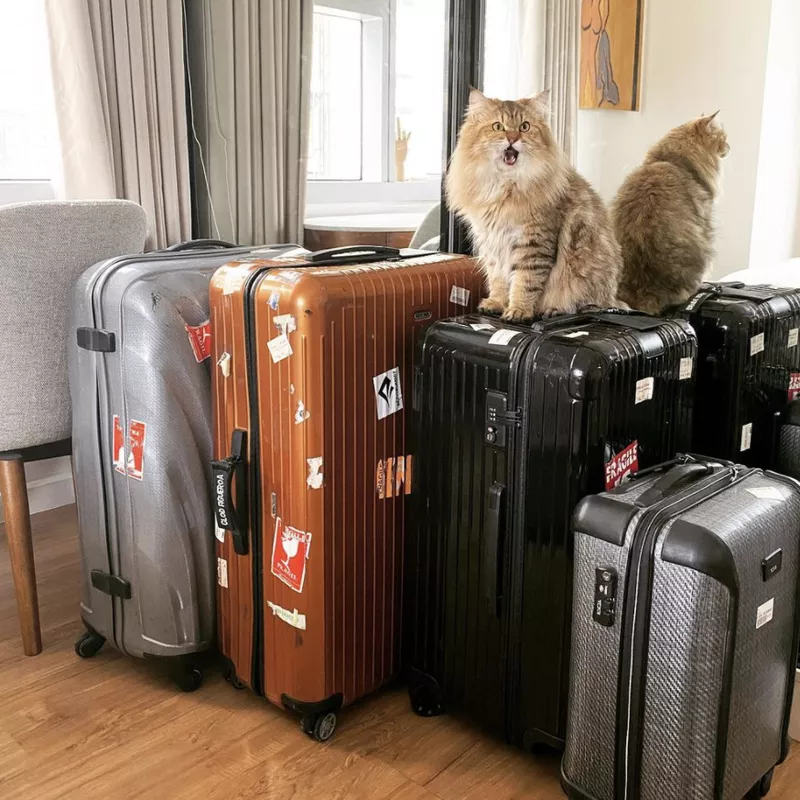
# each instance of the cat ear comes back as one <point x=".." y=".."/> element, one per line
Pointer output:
<point x="477" y="99"/>
<point x="706" y="121"/>
<point x="540" y="103"/>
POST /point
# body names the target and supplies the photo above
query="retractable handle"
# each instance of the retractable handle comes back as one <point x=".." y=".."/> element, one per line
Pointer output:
<point x="613" y="316"/>
<point x="492" y="549"/>
<point x="670" y="482"/>
<point x="199" y="244"/>
<point x="227" y="473"/>
<point x="353" y="254"/>
<point x="742" y="291"/>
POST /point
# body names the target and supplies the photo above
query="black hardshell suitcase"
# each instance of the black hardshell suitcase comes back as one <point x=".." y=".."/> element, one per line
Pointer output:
<point x="685" y="630"/>
<point x="513" y="426"/>
<point x="748" y="369"/>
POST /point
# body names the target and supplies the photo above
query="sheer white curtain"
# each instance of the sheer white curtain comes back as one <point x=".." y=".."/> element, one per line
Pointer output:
<point x="532" y="45"/>
<point x="119" y="85"/>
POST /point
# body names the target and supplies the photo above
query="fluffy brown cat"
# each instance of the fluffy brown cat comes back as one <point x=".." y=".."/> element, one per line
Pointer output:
<point x="541" y="233"/>
<point x="664" y="216"/>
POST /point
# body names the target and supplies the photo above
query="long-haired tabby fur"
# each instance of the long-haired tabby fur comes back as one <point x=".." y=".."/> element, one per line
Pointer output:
<point x="541" y="233"/>
<point x="664" y="216"/>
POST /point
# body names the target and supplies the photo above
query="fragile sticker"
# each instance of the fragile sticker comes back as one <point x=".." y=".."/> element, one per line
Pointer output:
<point x="301" y="415"/>
<point x="766" y="493"/>
<point x="644" y="390"/>
<point x="222" y="572"/>
<point x="481" y="326"/>
<point x="285" y="324"/>
<point x="274" y="299"/>
<point x="459" y="295"/>
<point x="765" y="613"/>
<point x="314" y="479"/>
<point x="388" y="392"/>
<point x="293" y="618"/>
<point x="624" y="463"/>
<point x="134" y="466"/>
<point x="794" y="386"/>
<point x="792" y="340"/>
<point x="747" y="436"/>
<point x="290" y="548"/>
<point x="279" y="347"/>
<point x="118" y="446"/>
<point x="503" y="337"/>
<point x="686" y="368"/>
<point x="200" y="340"/>
<point x="393" y="477"/>
<point x="757" y="344"/>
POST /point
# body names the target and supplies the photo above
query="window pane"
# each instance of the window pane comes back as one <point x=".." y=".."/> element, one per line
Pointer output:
<point x="335" y="137"/>
<point x="28" y="140"/>
<point x="419" y="85"/>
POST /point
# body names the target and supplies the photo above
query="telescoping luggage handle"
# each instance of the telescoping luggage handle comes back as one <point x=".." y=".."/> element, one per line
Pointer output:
<point x="227" y="472"/>
<point x="614" y="316"/>
<point x="491" y="547"/>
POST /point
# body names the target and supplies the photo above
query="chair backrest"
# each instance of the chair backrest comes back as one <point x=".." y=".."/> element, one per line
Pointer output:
<point x="44" y="248"/>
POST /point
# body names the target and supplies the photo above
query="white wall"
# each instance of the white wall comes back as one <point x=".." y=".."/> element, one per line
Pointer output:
<point x="776" y="222"/>
<point x="699" y="56"/>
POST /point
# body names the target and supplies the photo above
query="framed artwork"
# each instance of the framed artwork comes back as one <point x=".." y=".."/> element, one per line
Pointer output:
<point x="611" y="54"/>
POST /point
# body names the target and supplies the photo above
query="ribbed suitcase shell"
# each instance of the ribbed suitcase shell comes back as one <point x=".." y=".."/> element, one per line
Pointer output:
<point x="157" y="532"/>
<point x="352" y="323"/>
<point x="713" y="690"/>
<point x="744" y="382"/>
<point x="488" y="613"/>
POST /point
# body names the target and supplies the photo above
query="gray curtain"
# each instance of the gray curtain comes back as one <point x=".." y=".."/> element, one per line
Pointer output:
<point x="119" y="81"/>
<point x="250" y="72"/>
<point x="561" y="33"/>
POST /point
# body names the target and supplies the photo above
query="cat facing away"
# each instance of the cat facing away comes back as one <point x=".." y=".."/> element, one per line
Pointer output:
<point x="541" y="233"/>
<point x="663" y="216"/>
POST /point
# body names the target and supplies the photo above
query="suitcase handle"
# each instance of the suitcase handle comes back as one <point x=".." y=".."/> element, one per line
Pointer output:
<point x="198" y="244"/>
<point x="665" y="486"/>
<point x="613" y="316"/>
<point x="491" y="546"/>
<point x="227" y="471"/>
<point x="353" y="253"/>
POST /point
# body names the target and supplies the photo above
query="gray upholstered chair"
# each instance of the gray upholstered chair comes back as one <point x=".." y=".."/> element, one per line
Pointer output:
<point x="44" y="247"/>
<point x="426" y="237"/>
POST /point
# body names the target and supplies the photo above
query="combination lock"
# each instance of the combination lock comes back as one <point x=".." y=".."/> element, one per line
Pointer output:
<point x="605" y="596"/>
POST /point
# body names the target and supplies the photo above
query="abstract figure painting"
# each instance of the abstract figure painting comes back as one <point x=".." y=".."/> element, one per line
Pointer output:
<point x="611" y="54"/>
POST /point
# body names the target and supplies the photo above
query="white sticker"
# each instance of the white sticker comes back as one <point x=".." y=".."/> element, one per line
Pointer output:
<point x="747" y="435"/>
<point x="765" y="613"/>
<point x="234" y="279"/>
<point x="502" y="337"/>
<point x="757" y="344"/>
<point x="222" y="572"/>
<point x="285" y="324"/>
<point x="291" y="388"/>
<point x="219" y="532"/>
<point x="481" y="326"/>
<point x="279" y="347"/>
<point x="685" y="371"/>
<point x="459" y="295"/>
<point x="576" y="334"/>
<point x="301" y="415"/>
<point x="293" y="618"/>
<point x="644" y="390"/>
<point x="274" y="299"/>
<point x="388" y="392"/>
<point x="287" y="276"/>
<point x="792" y="342"/>
<point x="766" y="493"/>
<point x="314" y="479"/>
<point x="224" y="364"/>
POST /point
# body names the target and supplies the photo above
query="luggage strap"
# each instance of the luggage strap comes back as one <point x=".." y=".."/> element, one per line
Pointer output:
<point x="231" y="516"/>
<point x="111" y="584"/>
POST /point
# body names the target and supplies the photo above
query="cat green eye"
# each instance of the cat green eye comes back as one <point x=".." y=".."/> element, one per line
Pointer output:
<point x="526" y="126"/>
<point x="497" y="126"/>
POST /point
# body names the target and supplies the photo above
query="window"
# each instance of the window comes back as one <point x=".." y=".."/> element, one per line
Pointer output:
<point x="377" y="90"/>
<point x="28" y="138"/>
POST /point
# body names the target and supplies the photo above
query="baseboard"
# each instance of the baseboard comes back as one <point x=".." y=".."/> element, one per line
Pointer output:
<point x="49" y="492"/>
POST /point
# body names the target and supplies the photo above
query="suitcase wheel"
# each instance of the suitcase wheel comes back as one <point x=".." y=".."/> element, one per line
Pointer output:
<point x="319" y="726"/>
<point x="426" y="701"/>
<point x="761" y="789"/>
<point x="189" y="679"/>
<point x="89" y="644"/>
<point x="233" y="679"/>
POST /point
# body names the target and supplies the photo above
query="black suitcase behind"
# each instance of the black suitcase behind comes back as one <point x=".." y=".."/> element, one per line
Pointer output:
<point x="748" y="369"/>
<point x="513" y="426"/>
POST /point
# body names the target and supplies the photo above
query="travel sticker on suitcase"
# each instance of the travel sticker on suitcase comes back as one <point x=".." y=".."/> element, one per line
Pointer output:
<point x="200" y="340"/>
<point x="136" y="434"/>
<point x="289" y="555"/>
<point x="624" y="463"/>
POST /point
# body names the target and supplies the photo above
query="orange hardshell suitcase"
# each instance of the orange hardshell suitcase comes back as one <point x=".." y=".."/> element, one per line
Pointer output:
<point x="313" y="377"/>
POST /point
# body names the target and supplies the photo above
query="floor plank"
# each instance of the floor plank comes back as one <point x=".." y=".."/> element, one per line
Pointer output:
<point x="115" y="727"/>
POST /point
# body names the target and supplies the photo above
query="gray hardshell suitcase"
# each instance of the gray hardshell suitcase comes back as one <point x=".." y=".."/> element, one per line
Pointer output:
<point x="685" y="623"/>
<point x="141" y="448"/>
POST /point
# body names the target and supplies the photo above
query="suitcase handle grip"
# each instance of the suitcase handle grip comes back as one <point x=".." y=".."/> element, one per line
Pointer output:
<point x="491" y="547"/>
<point x="367" y="253"/>
<point x="665" y="486"/>
<point x="639" y="320"/>
<point x="198" y="244"/>
<point x="227" y="472"/>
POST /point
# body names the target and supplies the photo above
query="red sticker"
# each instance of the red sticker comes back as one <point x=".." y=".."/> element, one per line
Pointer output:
<point x="624" y="463"/>
<point x="118" y="447"/>
<point x="200" y="340"/>
<point x="136" y="433"/>
<point x="289" y="555"/>
<point x="393" y="477"/>
<point x="794" y="386"/>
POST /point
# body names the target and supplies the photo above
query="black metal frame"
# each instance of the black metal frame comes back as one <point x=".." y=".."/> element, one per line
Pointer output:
<point x="465" y="29"/>
<point x="40" y="452"/>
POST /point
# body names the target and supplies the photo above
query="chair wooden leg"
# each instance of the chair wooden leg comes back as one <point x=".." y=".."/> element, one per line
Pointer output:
<point x="20" y="550"/>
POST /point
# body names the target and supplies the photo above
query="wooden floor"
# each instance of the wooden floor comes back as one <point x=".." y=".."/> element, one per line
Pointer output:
<point x="113" y="727"/>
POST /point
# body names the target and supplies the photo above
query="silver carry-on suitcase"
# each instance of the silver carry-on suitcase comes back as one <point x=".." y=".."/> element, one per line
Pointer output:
<point x="141" y="447"/>
<point x="685" y="627"/>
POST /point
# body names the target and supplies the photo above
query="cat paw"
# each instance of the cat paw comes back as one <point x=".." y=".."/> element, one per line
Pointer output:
<point x="556" y="312"/>
<point x="490" y="307"/>
<point x="517" y="315"/>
